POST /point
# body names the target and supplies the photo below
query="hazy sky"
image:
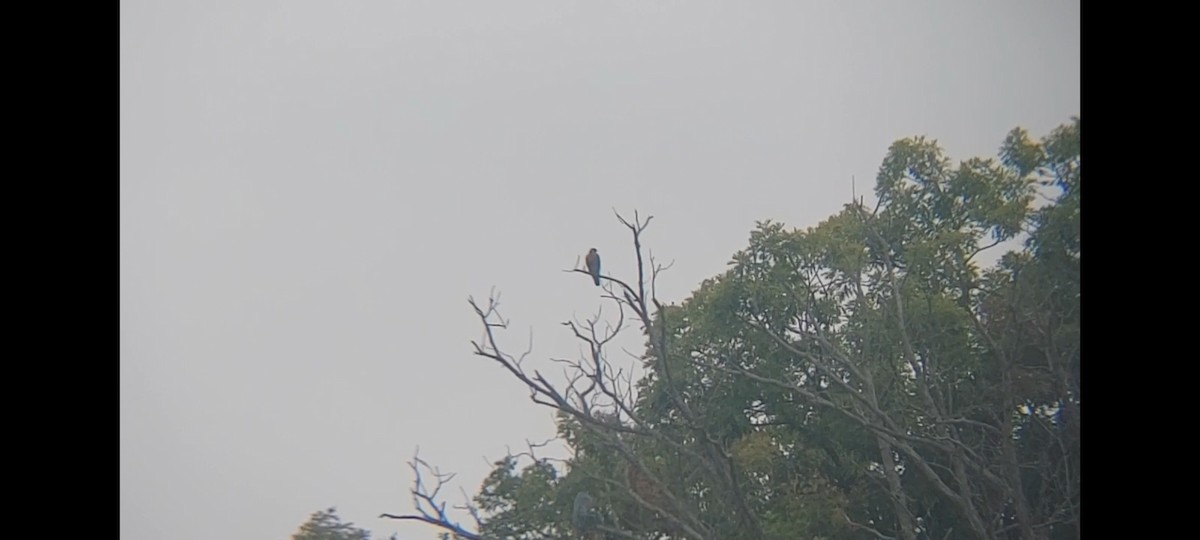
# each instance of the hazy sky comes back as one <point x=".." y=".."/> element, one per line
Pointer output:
<point x="311" y="189"/>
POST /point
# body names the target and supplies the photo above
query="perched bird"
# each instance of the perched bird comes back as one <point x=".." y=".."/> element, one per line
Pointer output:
<point x="593" y="265"/>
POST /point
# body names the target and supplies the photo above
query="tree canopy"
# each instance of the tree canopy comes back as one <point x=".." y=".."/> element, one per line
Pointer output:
<point x="326" y="525"/>
<point x="867" y="377"/>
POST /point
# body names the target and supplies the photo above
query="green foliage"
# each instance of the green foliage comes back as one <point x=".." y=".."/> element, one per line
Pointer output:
<point x="858" y="378"/>
<point x="326" y="525"/>
<point x="525" y="504"/>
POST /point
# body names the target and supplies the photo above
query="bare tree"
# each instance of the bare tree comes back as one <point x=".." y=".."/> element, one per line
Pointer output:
<point x="601" y="397"/>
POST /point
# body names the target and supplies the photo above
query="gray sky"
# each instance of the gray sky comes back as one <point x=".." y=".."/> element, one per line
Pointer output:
<point x="311" y="189"/>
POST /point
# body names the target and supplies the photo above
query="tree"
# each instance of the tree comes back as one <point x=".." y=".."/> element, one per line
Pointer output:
<point x="326" y="525"/>
<point x="863" y="378"/>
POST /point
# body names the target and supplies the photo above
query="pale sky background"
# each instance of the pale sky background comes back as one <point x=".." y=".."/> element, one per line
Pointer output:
<point x="311" y="189"/>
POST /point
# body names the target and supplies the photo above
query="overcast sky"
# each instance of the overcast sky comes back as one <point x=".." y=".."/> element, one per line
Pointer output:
<point x="311" y="189"/>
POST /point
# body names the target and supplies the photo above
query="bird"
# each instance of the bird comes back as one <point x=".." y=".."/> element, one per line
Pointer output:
<point x="593" y="265"/>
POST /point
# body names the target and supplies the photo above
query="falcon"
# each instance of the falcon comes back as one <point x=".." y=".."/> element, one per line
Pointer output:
<point x="593" y="265"/>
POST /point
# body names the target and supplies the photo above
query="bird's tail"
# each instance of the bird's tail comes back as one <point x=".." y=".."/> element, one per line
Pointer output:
<point x="596" y="279"/>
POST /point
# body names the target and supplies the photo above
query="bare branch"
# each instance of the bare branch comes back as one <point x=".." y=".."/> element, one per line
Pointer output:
<point x="429" y="509"/>
<point x="867" y="528"/>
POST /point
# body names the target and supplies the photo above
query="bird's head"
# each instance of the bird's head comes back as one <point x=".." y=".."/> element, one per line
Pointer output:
<point x="593" y="250"/>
